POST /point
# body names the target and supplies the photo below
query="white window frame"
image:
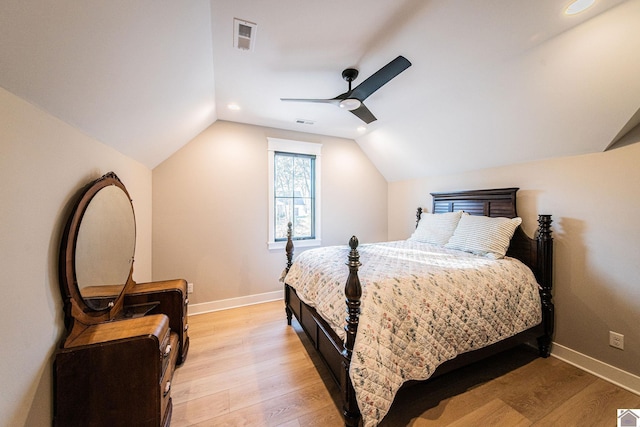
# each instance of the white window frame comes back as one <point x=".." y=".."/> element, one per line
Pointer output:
<point x="297" y="147"/>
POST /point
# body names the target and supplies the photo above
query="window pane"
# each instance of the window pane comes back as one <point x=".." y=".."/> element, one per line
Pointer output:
<point x="302" y="177"/>
<point x="303" y="218"/>
<point x="284" y="215"/>
<point x="283" y="176"/>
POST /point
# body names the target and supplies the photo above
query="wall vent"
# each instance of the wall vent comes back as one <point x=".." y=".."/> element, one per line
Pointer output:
<point x="244" y="34"/>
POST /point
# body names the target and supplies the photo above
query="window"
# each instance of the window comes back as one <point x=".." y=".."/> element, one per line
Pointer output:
<point x="294" y="192"/>
<point x="294" y="176"/>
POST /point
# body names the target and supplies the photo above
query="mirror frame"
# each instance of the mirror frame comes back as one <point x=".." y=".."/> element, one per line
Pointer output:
<point x="78" y="314"/>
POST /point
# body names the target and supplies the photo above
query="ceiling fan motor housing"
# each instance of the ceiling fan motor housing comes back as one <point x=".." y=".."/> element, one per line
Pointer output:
<point x="350" y="75"/>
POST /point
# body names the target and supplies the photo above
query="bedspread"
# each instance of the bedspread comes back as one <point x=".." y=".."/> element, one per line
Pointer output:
<point x="421" y="305"/>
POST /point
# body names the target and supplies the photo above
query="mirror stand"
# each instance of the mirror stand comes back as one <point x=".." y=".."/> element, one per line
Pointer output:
<point x="124" y="339"/>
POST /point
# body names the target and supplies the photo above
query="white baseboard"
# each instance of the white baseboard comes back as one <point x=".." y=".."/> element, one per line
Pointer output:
<point x="624" y="379"/>
<point x="224" y="304"/>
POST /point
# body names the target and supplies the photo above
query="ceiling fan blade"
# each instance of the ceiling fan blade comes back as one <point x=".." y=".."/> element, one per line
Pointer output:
<point x="334" y="101"/>
<point x="380" y="78"/>
<point x="363" y="113"/>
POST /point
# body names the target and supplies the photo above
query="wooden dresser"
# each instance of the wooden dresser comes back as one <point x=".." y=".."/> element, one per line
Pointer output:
<point x="123" y="340"/>
<point x="117" y="374"/>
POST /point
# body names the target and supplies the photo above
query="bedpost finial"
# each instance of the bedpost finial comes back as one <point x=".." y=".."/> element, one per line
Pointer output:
<point x="353" y="242"/>
<point x="354" y="256"/>
<point x="544" y="227"/>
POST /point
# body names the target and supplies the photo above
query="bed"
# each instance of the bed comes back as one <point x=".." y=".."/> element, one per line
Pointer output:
<point x="405" y="335"/>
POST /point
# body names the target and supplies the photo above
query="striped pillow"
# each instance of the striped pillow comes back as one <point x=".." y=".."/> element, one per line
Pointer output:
<point x="482" y="235"/>
<point x="436" y="229"/>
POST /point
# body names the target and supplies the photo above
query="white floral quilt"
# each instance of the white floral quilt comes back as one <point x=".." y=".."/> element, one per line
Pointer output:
<point x="421" y="306"/>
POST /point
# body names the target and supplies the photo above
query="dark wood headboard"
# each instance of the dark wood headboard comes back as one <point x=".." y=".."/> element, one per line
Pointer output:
<point x="501" y="202"/>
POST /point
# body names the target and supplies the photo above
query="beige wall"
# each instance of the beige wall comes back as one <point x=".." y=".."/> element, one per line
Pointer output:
<point x="43" y="162"/>
<point x="595" y="203"/>
<point x="210" y="207"/>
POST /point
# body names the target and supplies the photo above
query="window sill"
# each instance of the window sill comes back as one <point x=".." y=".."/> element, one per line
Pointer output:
<point x="296" y="244"/>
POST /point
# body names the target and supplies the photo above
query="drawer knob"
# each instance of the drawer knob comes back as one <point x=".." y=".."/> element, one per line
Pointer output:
<point x="167" y="350"/>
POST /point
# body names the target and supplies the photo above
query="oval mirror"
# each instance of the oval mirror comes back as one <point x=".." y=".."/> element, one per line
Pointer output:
<point x="97" y="251"/>
<point x="105" y="247"/>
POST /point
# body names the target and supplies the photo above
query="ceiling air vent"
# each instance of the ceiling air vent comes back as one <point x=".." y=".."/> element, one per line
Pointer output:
<point x="244" y="34"/>
<point x="304" y="122"/>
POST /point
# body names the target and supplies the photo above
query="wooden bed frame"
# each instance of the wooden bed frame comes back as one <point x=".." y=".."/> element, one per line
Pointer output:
<point x="537" y="253"/>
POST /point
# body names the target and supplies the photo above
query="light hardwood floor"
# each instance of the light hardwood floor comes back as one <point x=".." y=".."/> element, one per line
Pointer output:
<point x="246" y="367"/>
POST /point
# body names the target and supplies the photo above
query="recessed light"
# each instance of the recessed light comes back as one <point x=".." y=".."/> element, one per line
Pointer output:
<point x="362" y="129"/>
<point x="233" y="106"/>
<point x="578" y="6"/>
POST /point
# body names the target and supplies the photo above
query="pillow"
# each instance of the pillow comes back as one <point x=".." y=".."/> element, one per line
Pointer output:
<point x="482" y="235"/>
<point x="436" y="228"/>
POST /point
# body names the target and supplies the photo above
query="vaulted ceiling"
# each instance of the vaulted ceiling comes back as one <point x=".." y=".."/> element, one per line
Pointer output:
<point x="492" y="82"/>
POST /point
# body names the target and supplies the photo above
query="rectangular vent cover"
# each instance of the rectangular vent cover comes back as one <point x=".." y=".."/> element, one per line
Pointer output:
<point x="244" y="34"/>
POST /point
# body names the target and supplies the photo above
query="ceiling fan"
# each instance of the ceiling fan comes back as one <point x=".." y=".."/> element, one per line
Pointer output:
<point x="353" y="99"/>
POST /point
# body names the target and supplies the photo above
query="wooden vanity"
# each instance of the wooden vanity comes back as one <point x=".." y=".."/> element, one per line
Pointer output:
<point x="115" y="365"/>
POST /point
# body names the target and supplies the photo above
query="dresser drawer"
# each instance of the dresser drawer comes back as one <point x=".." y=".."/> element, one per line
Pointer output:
<point x="170" y="358"/>
<point x="166" y="348"/>
<point x="112" y="374"/>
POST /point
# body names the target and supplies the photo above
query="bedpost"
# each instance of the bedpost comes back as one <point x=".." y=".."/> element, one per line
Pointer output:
<point x="352" y="292"/>
<point x="289" y="247"/>
<point x="545" y="268"/>
<point x="289" y="251"/>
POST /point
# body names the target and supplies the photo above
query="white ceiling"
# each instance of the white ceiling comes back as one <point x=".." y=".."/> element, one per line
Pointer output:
<point x="493" y="82"/>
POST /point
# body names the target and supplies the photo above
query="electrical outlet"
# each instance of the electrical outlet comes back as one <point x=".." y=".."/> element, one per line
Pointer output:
<point x="189" y="288"/>
<point x="616" y="340"/>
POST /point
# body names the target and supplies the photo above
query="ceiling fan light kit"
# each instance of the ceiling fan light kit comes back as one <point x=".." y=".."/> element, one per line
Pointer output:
<point x="350" y="104"/>
<point x="353" y="99"/>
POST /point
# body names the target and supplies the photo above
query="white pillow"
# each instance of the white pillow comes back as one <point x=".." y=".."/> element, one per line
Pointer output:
<point x="436" y="228"/>
<point x="482" y="235"/>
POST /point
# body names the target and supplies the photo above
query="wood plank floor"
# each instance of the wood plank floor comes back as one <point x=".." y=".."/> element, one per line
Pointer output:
<point x="246" y="367"/>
